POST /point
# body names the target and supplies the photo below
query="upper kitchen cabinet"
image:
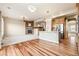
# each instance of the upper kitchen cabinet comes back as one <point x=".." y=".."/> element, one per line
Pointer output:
<point x="29" y="23"/>
<point x="40" y="25"/>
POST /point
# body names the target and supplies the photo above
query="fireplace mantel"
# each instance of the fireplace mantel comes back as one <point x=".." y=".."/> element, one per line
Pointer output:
<point x="29" y="27"/>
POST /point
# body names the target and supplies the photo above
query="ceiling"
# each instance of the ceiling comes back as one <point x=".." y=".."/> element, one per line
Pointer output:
<point x="20" y="10"/>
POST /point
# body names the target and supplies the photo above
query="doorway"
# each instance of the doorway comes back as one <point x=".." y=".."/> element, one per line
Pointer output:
<point x="71" y="28"/>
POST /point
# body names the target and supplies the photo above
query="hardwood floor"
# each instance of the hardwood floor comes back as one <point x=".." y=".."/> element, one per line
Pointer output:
<point x="40" y="48"/>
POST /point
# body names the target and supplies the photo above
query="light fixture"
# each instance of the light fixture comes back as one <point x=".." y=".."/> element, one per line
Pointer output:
<point x="24" y="18"/>
<point x="38" y="25"/>
<point x="47" y="11"/>
<point x="29" y="24"/>
<point x="8" y="7"/>
<point x="31" y="8"/>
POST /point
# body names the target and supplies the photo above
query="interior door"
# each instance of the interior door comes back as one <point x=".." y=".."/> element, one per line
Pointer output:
<point x="72" y="31"/>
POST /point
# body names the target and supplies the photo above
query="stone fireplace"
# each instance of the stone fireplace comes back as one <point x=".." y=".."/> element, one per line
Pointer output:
<point x="29" y="27"/>
<point x="29" y="30"/>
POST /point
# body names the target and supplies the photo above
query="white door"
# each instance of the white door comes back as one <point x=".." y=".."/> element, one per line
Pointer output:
<point x="72" y="31"/>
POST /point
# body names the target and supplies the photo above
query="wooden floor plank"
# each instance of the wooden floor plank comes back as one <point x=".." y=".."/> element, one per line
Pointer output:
<point x="48" y="48"/>
<point x="3" y="51"/>
<point x="40" y="48"/>
<point x="58" y="50"/>
<point x="23" y="50"/>
<point x="11" y="51"/>
<point x="17" y="51"/>
<point x="65" y="48"/>
<point x="34" y="50"/>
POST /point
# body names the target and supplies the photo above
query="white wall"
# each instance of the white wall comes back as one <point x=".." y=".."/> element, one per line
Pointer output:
<point x="17" y="39"/>
<point x="15" y="32"/>
<point x="14" y="27"/>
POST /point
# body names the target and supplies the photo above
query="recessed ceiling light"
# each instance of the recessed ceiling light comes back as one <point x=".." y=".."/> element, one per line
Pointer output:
<point x="47" y="11"/>
<point x="31" y="8"/>
<point x="24" y="17"/>
<point x="9" y="7"/>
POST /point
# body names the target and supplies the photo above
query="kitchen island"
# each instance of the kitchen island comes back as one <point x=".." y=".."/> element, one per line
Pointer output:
<point x="52" y="36"/>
